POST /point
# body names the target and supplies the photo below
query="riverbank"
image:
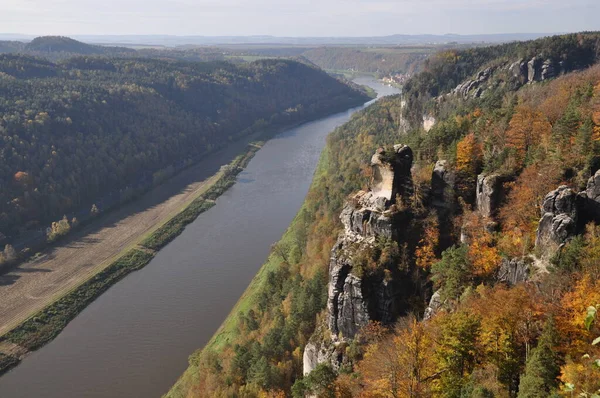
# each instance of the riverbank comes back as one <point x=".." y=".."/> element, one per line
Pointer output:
<point x="48" y="323"/>
<point x="267" y="327"/>
<point x="42" y="296"/>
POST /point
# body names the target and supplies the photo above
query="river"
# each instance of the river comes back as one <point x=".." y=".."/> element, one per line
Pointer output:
<point x="134" y="341"/>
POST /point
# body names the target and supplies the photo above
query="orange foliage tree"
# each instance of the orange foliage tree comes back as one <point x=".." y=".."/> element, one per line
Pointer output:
<point x="402" y="365"/>
<point x="425" y="251"/>
<point x="527" y="129"/>
<point x="521" y="213"/>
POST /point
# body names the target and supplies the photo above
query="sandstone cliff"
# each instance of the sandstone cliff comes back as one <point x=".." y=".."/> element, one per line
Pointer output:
<point x="363" y="285"/>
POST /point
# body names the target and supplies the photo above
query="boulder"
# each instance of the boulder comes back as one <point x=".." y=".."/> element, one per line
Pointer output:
<point x="559" y="220"/>
<point x="391" y="172"/>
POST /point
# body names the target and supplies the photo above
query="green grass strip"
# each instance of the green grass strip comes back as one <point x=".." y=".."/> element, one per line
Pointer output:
<point x="48" y="323"/>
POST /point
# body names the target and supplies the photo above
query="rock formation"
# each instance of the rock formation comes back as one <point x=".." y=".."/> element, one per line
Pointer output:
<point x="442" y="184"/>
<point x="489" y="194"/>
<point x="513" y="271"/>
<point x="435" y="303"/>
<point x="558" y="222"/>
<point x="355" y="296"/>
<point x="591" y="197"/>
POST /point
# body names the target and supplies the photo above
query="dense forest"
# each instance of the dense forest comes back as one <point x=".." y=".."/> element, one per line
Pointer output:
<point x="382" y="61"/>
<point x="534" y="334"/>
<point x="84" y="134"/>
<point x="60" y="47"/>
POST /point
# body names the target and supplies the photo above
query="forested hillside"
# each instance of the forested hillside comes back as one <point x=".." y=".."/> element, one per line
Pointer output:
<point x="511" y="257"/>
<point x="82" y="135"/>
<point x="383" y="61"/>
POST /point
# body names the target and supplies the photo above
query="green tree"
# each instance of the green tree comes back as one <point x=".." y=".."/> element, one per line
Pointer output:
<point x="543" y="368"/>
<point x="452" y="273"/>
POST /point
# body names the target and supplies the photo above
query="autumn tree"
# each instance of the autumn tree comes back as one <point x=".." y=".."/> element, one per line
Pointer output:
<point x="59" y="229"/>
<point x="469" y="158"/>
<point x="528" y="128"/>
<point x="402" y="365"/>
<point x="425" y="252"/>
<point x="521" y="212"/>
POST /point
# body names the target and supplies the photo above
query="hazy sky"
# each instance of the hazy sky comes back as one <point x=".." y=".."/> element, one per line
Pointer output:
<point x="296" y="17"/>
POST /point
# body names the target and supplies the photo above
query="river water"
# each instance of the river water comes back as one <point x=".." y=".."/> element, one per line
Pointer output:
<point x="134" y="341"/>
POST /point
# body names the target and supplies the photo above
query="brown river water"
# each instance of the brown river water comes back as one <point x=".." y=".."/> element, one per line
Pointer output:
<point x="134" y="341"/>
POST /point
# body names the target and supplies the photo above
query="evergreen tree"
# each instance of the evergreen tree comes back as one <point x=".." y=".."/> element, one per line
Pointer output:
<point x="542" y="368"/>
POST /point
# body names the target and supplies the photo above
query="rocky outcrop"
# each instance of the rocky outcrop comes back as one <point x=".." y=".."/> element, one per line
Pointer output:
<point x="473" y="88"/>
<point x="442" y="184"/>
<point x="519" y="70"/>
<point x="428" y="122"/>
<point x="435" y="303"/>
<point x="355" y="296"/>
<point x="548" y="70"/>
<point x="513" y="271"/>
<point x="591" y="197"/>
<point x="533" y="70"/>
<point x="489" y="194"/>
<point x="522" y="71"/>
<point x="559" y="220"/>
<point x="354" y="299"/>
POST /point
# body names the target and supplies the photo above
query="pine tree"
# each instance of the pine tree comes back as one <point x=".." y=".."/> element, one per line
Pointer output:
<point x="542" y="368"/>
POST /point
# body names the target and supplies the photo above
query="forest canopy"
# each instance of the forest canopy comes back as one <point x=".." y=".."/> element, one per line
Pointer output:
<point x="91" y="130"/>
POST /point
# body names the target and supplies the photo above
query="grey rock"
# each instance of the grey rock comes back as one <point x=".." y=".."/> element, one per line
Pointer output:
<point x="519" y="70"/>
<point x="435" y="303"/>
<point x="590" y="198"/>
<point x="442" y="184"/>
<point x="353" y="298"/>
<point x="593" y="187"/>
<point x="533" y="70"/>
<point x="489" y="194"/>
<point x="548" y="71"/>
<point x="513" y="271"/>
<point x="559" y="220"/>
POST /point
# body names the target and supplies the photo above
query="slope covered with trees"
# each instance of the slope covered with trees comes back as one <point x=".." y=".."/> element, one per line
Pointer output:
<point x="91" y="132"/>
<point x="383" y="61"/>
<point x="486" y="335"/>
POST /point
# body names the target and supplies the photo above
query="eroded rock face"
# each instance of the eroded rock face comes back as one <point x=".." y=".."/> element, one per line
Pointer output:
<point x="355" y="298"/>
<point x="513" y="271"/>
<point x="592" y="197"/>
<point x="533" y="70"/>
<point x="559" y="220"/>
<point x="435" y="303"/>
<point x="442" y="184"/>
<point x="489" y="194"/>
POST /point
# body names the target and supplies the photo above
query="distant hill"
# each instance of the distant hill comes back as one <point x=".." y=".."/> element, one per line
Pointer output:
<point x="11" y="46"/>
<point x="173" y="41"/>
<point x="61" y="44"/>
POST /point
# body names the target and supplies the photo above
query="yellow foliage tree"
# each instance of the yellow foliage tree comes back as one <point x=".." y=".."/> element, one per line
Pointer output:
<point x="425" y="252"/>
<point x="402" y="366"/>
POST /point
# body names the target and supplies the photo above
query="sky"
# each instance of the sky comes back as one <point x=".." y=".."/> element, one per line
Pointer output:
<point x="296" y="17"/>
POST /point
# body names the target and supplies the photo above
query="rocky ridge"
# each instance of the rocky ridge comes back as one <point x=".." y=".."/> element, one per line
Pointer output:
<point x="521" y="72"/>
